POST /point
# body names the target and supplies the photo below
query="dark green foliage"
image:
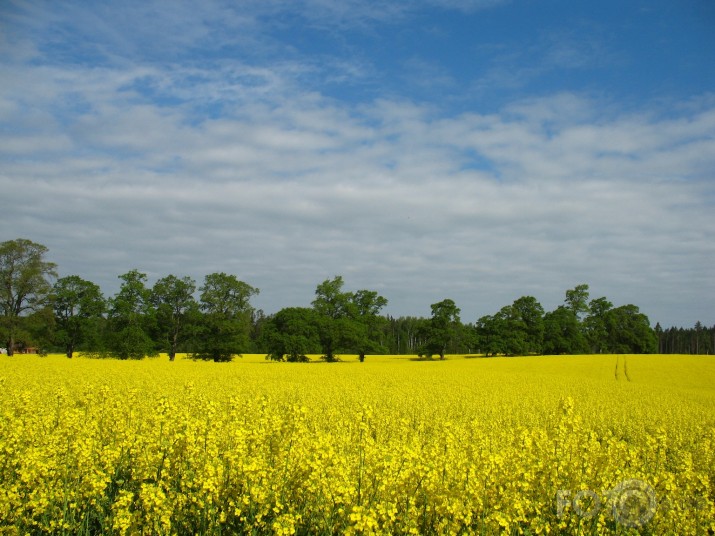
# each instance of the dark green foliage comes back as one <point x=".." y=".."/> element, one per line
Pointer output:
<point x="347" y="321"/>
<point x="225" y="325"/>
<point x="24" y="285"/>
<point x="629" y="332"/>
<point x="492" y="334"/>
<point x="595" y="326"/>
<point x="259" y="323"/>
<point x="527" y="316"/>
<point x="330" y="300"/>
<point x="563" y="333"/>
<point x="503" y="333"/>
<point x="442" y="329"/>
<point x="291" y="334"/>
<point x="220" y="339"/>
<point x="140" y="322"/>
<point x="696" y="340"/>
<point x="332" y="307"/>
<point x="522" y="328"/>
<point x="37" y="330"/>
<point x="130" y="342"/>
<point x="335" y="335"/>
<point x="173" y="300"/>
<point x="77" y="306"/>
<point x="367" y="324"/>
<point x="131" y="319"/>
<point x="577" y="300"/>
<point x="517" y="329"/>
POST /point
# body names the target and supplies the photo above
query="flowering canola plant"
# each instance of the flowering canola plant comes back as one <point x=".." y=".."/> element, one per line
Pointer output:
<point x="534" y="445"/>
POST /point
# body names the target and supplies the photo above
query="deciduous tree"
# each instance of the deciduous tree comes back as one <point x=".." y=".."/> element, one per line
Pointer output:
<point x="332" y="306"/>
<point x="226" y="320"/>
<point x="78" y="306"/>
<point x="291" y="334"/>
<point x="577" y="300"/>
<point x="442" y="329"/>
<point x="173" y="299"/>
<point x="25" y="284"/>
<point x="130" y="319"/>
<point x="366" y="307"/>
<point x="492" y="334"/>
<point x="528" y="315"/>
<point x="595" y="325"/>
<point x="563" y="333"/>
<point x="629" y="331"/>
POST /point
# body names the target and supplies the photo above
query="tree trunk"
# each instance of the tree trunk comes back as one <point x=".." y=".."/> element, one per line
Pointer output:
<point x="11" y="344"/>
<point x="174" y="344"/>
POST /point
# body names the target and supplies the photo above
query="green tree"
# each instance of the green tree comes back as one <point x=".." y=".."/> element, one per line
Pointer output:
<point x="517" y="329"/>
<point x="563" y="333"/>
<point x="226" y="321"/>
<point x="442" y="329"/>
<point x="37" y="330"/>
<point x="629" y="331"/>
<point x="366" y="307"/>
<point x="78" y="305"/>
<point x="492" y="334"/>
<point x="528" y="317"/>
<point x="24" y="284"/>
<point x="659" y="335"/>
<point x="577" y="300"/>
<point x="259" y="321"/>
<point x="514" y="333"/>
<point x="333" y="307"/>
<point x="174" y="302"/>
<point x="595" y="325"/>
<point x="330" y="299"/>
<point x="130" y="319"/>
<point x="291" y="334"/>
<point x="348" y="320"/>
<point x="701" y="341"/>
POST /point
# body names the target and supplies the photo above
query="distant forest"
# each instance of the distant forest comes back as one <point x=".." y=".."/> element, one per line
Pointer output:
<point x="216" y="321"/>
<point x="696" y="340"/>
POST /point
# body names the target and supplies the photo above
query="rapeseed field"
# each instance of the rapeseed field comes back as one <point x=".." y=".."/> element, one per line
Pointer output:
<point x="599" y="444"/>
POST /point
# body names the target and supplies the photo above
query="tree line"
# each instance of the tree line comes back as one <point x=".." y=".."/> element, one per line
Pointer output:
<point x="696" y="340"/>
<point x="215" y="320"/>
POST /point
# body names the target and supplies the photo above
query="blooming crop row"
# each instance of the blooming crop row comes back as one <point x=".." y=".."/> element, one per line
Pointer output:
<point x="538" y="445"/>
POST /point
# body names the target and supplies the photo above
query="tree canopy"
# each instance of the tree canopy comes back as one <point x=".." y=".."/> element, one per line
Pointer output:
<point x="78" y="306"/>
<point x="223" y="331"/>
<point x="25" y="284"/>
<point x="346" y="320"/>
<point x="442" y="329"/>
<point x="173" y="299"/>
<point x="218" y="322"/>
<point x="291" y="334"/>
<point x="131" y="317"/>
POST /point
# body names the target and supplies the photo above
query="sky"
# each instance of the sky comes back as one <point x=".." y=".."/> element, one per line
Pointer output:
<point x="477" y="150"/>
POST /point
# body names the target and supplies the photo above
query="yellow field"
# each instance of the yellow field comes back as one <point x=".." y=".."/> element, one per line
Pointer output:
<point x="535" y="445"/>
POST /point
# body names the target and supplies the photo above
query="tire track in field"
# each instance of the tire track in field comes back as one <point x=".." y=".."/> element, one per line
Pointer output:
<point x="625" y="369"/>
<point x="621" y="369"/>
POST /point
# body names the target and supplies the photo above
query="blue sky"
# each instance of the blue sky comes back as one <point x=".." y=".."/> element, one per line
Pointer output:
<point x="478" y="150"/>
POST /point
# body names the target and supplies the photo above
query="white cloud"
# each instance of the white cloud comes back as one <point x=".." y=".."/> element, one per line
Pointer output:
<point x="125" y="168"/>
